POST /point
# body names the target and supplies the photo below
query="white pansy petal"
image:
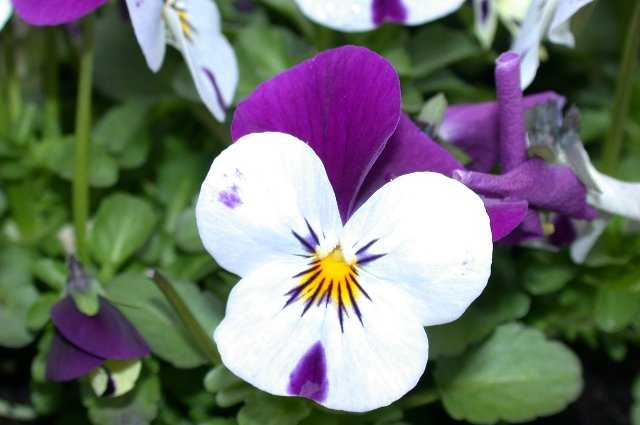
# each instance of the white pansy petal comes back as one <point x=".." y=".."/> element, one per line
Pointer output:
<point x="429" y="235"/>
<point x="5" y="12"/>
<point x="258" y="192"/>
<point x="197" y="30"/>
<point x="146" y="18"/>
<point x="614" y="196"/>
<point x="527" y="41"/>
<point x="560" y="31"/>
<point x="282" y="349"/>
<point x="365" y="15"/>
<point x="486" y="21"/>
<point x="588" y="234"/>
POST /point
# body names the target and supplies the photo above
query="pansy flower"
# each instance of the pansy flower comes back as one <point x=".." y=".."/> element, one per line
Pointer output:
<point x="531" y="22"/>
<point x="345" y="253"/>
<point x="194" y="28"/>
<point x="365" y="15"/>
<point x="104" y="345"/>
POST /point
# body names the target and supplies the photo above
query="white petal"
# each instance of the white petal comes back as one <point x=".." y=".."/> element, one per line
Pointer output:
<point x="146" y="18"/>
<point x="527" y="41"/>
<point x="435" y="235"/>
<point x="258" y="191"/>
<point x="366" y="366"/>
<point x="485" y="21"/>
<point x="342" y="15"/>
<point x="358" y="15"/>
<point x="615" y="196"/>
<point x="559" y="31"/>
<point x="421" y="11"/>
<point x="5" y="12"/>
<point x="588" y="234"/>
<point x="207" y="52"/>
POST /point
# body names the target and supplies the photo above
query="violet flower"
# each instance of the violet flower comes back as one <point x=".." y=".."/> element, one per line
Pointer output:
<point x="82" y="343"/>
<point x="54" y="12"/>
<point x="341" y="268"/>
<point x="365" y="15"/>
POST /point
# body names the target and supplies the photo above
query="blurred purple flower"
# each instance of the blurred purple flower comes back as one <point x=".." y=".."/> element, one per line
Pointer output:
<point x="54" y="12"/>
<point x="81" y="342"/>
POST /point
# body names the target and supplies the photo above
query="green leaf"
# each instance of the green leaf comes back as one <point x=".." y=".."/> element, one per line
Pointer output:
<point x="186" y="235"/>
<point x="614" y="310"/>
<point x="436" y="46"/>
<point x="635" y="407"/>
<point x="17" y="294"/>
<point x="515" y="376"/>
<point x="220" y="378"/>
<point x="547" y="277"/>
<point x="122" y="225"/>
<point x="144" y="305"/>
<point x="120" y="126"/>
<point x="263" y="409"/>
<point x="39" y="312"/>
<point x="50" y="271"/>
<point x="138" y="407"/>
<point x="495" y="306"/>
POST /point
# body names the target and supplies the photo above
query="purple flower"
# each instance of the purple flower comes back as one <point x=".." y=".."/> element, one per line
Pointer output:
<point x="347" y="232"/>
<point x="54" y="12"/>
<point x="82" y="343"/>
<point x="495" y="132"/>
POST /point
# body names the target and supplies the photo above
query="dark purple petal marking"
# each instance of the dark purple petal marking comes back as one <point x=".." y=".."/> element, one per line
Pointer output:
<point x="564" y="231"/>
<point x="108" y="334"/>
<point x="309" y="378"/>
<point x="216" y="88"/>
<point x="230" y="197"/>
<point x="484" y="10"/>
<point x="389" y="11"/>
<point x="66" y="362"/>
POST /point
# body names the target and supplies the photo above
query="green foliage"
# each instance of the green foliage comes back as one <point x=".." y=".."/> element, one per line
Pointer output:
<point x="515" y="376"/>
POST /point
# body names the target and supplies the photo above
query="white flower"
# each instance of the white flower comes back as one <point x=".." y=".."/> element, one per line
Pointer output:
<point x="365" y="15"/>
<point x="330" y="311"/>
<point x="6" y="9"/>
<point x="193" y="27"/>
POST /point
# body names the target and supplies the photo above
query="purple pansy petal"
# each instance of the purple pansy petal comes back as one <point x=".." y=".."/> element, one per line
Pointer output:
<point x="54" y="12"/>
<point x="107" y="334"/>
<point x="345" y="103"/>
<point x="513" y="144"/>
<point x="65" y="361"/>
<point x="409" y="150"/>
<point x="552" y="187"/>
<point x="530" y="228"/>
<point x="473" y="127"/>
<point x="564" y="231"/>
<point x="505" y="215"/>
<point x="388" y="10"/>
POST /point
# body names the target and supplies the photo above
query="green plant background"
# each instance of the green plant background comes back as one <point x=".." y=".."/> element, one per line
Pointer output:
<point x="546" y="333"/>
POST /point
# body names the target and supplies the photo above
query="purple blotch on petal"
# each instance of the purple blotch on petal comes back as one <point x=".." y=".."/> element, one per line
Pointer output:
<point x="309" y="378"/>
<point x="388" y="11"/>
<point x="230" y="197"/>
<point x="108" y="334"/>
<point x="66" y="362"/>
<point x="54" y="12"/>
<point x="484" y="10"/>
<point x="513" y="142"/>
<point x="564" y="231"/>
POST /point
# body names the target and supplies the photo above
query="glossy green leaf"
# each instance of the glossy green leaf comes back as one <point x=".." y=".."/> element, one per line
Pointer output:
<point x="263" y="409"/>
<point x="17" y="295"/>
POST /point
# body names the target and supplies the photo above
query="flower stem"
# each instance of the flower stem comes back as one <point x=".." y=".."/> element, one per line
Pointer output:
<point x="14" y="93"/>
<point x="200" y="337"/>
<point x="51" y="103"/>
<point x="83" y="129"/>
<point x="620" y="112"/>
